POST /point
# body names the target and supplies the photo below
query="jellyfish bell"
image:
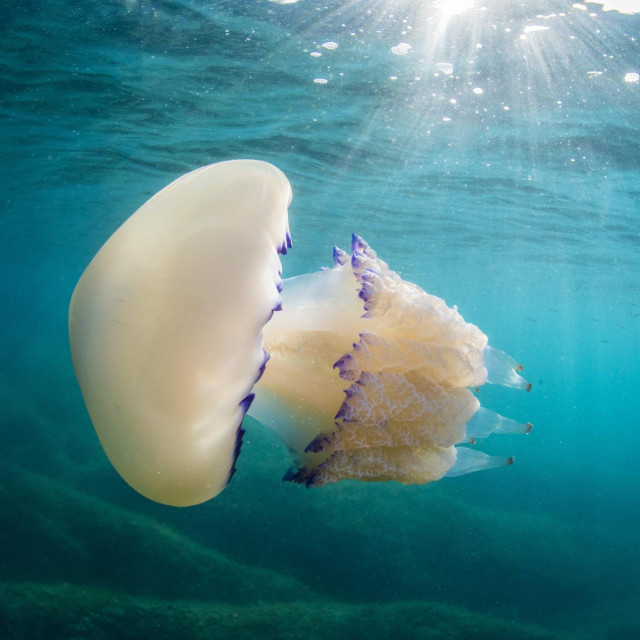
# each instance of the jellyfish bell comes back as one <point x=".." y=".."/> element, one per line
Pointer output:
<point x="174" y="339"/>
<point x="165" y="327"/>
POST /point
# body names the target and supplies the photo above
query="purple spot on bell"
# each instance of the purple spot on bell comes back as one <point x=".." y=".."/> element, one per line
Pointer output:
<point x="343" y="362"/>
<point x="278" y="306"/>
<point x="366" y="291"/>
<point x="351" y="391"/>
<point x="238" y="445"/>
<point x="339" y="256"/>
<point x="245" y="403"/>
<point x="365" y="379"/>
<point x="317" y="444"/>
<point x="298" y="476"/>
<point x="357" y="260"/>
<point x="236" y="451"/>
<point x="342" y="411"/>
<point x="369" y="275"/>
<point x="289" y="243"/>
<point x="358" y="244"/>
<point x="344" y="367"/>
<point x="279" y="286"/>
<point x="313" y="477"/>
<point x="309" y="478"/>
<point x="263" y="366"/>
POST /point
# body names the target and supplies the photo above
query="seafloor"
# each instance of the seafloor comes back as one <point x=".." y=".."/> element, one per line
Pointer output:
<point x="83" y="557"/>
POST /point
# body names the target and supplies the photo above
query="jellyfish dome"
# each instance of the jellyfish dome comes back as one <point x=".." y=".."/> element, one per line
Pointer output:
<point x="362" y="375"/>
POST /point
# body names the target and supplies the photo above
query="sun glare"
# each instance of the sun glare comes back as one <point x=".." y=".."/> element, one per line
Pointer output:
<point x="454" y="7"/>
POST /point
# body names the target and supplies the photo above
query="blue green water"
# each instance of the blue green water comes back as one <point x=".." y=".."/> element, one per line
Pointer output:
<point x="495" y="163"/>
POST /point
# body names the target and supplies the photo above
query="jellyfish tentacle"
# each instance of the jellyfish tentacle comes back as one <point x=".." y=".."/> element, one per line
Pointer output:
<point x="485" y="422"/>
<point x="502" y="369"/>
<point x="470" y="460"/>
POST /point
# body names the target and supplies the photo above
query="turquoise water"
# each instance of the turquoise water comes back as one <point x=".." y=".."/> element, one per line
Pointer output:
<point x="495" y="163"/>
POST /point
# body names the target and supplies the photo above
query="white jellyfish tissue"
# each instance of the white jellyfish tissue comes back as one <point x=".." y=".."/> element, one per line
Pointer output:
<point x="181" y="324"/>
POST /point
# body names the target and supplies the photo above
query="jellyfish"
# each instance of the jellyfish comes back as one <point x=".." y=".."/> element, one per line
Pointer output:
<point x="182" y="324"/>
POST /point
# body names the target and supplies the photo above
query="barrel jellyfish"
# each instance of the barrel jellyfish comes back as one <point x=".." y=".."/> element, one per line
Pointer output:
<point x="181" y="324"/>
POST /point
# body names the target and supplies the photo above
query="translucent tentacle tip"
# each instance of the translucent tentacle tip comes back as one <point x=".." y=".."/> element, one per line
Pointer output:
<point x="502" y="369"/>
<point x="470" y="460"/>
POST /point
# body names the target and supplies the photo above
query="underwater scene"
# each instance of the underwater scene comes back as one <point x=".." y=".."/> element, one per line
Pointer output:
<point x="280" y="403"/>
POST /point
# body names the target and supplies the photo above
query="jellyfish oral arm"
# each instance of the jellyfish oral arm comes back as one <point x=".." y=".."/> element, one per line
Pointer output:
<point x="300" y="391"/>
<point x="368" y="378"/>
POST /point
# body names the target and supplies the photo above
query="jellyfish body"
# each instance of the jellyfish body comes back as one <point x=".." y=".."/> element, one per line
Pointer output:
<point x="174" y="338"/>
